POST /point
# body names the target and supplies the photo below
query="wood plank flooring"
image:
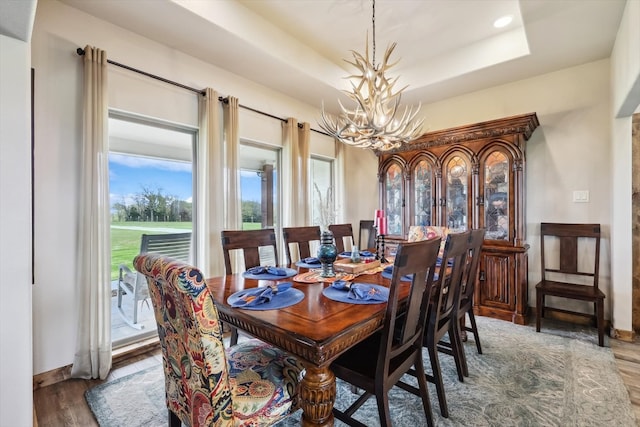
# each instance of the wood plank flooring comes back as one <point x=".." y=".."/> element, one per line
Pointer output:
<point x="63" y="404"/>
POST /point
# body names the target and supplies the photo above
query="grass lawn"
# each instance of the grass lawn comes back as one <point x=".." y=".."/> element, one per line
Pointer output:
<point x="125" y="244"/>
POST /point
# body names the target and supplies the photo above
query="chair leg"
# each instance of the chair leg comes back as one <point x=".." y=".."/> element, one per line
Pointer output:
<point x="600" y="320"/>
<point x="437" y="378"/>
<point x="383" y="408"/>
<point x="233" y="340"/>
<point x="474" y="329"/>
<point x="174" y="421"/>
<point x="424" y="391"/>
<point x="457" y="351"/>
<point x="539" y="304"/>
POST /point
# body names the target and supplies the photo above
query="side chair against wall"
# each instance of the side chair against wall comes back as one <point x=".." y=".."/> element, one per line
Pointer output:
<point x="441" y="318"/>
<point x="366" y="228"/>
<point x="207" y="384"/>
<point x="250" y="242"/>
<point x="301" y="237"/>
<point x="466" y="291"/>
<point x="340" y="231"/>
<point x="399" y="344"/>
<point x="176" y="245"/>
<point x="569" y="273"/>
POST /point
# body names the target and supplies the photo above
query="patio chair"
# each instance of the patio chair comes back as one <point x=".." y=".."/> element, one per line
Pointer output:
<point x="130" y="282"/>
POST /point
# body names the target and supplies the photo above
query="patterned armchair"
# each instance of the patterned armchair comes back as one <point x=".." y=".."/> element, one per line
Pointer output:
<point x="249" y="384"/>
<point x="428" y="232"/>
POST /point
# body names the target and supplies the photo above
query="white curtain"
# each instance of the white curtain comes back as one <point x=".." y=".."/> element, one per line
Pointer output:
<point x="339" y="181"/>
<point x="232" y="203"/>
<point x="295" y="174"/>
<point x="210" y="218"/>
<point x="93" y="343"/>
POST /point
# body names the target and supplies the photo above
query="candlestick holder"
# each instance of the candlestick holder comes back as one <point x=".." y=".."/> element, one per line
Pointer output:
<point x="380" y="238"/>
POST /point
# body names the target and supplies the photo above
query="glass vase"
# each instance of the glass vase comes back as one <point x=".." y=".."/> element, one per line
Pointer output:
<point x="327" y="254"/>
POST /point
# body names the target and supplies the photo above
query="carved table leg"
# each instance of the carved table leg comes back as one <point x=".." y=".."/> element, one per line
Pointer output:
<point x="317" y="396"/>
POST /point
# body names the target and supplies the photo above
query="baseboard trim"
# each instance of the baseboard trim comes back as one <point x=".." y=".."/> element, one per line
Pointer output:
<point x="623" y="335"/>
<point x="63" y="373"/>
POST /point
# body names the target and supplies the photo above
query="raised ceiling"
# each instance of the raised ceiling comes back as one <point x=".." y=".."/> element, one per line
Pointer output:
<point x="445" y="47"/>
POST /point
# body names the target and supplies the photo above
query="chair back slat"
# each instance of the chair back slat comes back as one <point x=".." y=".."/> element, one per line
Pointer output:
<point x="250" y="242"/>
<point x="367" y="229"/>
<point x="570" y="237"/>
<point x="340" y="231"/>
<point x="176" y="245"/>
<point x="301" y="237"/>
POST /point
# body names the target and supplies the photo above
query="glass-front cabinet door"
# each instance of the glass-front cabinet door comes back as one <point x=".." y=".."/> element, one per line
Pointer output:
<point x="496" y="213"/>
<point x="457" y="179"/>
<point x="393" y="197"/>
<point x="422" y="192"/>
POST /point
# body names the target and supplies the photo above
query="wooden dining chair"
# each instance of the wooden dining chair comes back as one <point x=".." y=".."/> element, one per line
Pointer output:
<point x="441" y="319"/>
<point x="340" y="231"/>
<point x="564" y="275"/>
<point x="301" y="237"/>
<point x="251" y="242"/>
<point x="398" y="345"/>
<point x="367" y="229"/>
<point x="206" y="383"/>
<point x="464" y="306"/>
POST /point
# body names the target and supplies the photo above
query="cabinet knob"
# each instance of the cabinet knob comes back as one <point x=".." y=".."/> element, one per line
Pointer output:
<point x="481" y="278"/>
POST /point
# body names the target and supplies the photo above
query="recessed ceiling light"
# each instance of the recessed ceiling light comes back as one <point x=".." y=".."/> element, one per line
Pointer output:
<point x="503" y="21"/>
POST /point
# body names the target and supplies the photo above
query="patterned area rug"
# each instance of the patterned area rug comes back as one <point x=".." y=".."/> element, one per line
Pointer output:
<point x="558" y="377"/>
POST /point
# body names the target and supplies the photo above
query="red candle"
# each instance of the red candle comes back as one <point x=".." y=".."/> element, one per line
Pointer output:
<point x="383" y="226"/>
<point x="378" y="213"/>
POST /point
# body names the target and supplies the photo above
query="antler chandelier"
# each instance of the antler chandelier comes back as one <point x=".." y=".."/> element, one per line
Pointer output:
<point x="375" y="121"/>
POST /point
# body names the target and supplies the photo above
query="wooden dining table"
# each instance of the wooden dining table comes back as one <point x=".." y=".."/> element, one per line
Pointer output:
<point x="316" y="330"/>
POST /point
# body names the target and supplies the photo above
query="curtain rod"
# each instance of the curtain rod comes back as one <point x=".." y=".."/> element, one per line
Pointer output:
<point x="80" y="52"/>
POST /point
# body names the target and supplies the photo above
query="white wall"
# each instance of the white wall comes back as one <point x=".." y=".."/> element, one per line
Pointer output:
<point x="571" y="150"/>
<point x="16" y="371"/>
<point x="59" y="30"/>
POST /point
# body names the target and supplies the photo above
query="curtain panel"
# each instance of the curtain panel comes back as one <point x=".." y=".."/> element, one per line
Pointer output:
<point x="93" y="341"/>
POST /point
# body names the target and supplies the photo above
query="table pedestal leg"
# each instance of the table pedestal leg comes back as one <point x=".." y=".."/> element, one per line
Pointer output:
<point x="317" y="396"/>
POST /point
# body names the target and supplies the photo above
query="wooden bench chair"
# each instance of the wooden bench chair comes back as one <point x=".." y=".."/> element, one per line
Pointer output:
<point x="573" y="240"/>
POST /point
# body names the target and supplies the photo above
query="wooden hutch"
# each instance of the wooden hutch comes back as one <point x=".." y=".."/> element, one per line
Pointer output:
<point x="468" y="177"/>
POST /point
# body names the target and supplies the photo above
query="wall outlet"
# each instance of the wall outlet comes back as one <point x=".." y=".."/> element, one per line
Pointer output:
<point x="581" y="196"/>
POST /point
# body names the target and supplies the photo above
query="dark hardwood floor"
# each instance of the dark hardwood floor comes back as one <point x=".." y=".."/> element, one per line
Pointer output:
<point x="63" y="404"/>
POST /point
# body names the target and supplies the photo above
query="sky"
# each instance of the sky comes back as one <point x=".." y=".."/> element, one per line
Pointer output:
<point x="128" y="175"/>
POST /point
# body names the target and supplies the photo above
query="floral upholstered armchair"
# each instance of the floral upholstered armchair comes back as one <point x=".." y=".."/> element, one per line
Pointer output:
<point x="428" y="232"/>
<point x="206" y="384"/>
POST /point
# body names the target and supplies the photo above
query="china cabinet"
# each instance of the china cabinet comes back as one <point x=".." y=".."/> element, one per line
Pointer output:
<point x="470" y="176"/>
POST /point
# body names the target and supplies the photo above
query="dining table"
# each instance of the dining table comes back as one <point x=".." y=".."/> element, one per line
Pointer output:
<point x="316" y="330"/>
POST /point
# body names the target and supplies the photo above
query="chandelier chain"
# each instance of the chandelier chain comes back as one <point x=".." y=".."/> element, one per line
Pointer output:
<point x="373" y="24"/>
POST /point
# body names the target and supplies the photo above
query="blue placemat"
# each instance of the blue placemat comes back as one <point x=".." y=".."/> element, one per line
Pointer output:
<point x="302" y="263"/>
<point x="341" y="295"/>
<point x="282" y="299"/>
<point x="363" y="254"/>
<point x="290" y="272"/>
<point x="387" y="273"/>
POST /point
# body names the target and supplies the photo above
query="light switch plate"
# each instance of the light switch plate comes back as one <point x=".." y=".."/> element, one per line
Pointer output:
<point x="581" y="196"/>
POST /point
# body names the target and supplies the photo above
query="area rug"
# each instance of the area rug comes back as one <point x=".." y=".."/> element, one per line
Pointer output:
<point x="558" y="377"/>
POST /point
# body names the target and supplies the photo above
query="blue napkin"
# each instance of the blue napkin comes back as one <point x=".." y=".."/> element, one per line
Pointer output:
<point x="360" y="291"/>
<point x="364" y="254"/>
<point x="267" y="270"/>
<point x="311" y="260"/>
<point x="257" y="296"/>
<point x="439" y="262"/>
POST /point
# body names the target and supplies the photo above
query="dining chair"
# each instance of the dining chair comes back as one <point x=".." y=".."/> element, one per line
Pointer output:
<point x="577" y="257"/>
<point x="340" y="231"/>
<point x="176" y="245"/>
<point x="251" y="242"/>
<point x="441" y="318"/>
<point x="206" y="384"/>
<point x="300" y="237"/>
<point x="464" y="306"/>
<point x="369" y="231"/>
<point x="398" y="345"/>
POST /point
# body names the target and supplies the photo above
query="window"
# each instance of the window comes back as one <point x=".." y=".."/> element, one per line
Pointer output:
<point x="321" y="179"/>
<point x="151" y="184"/>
